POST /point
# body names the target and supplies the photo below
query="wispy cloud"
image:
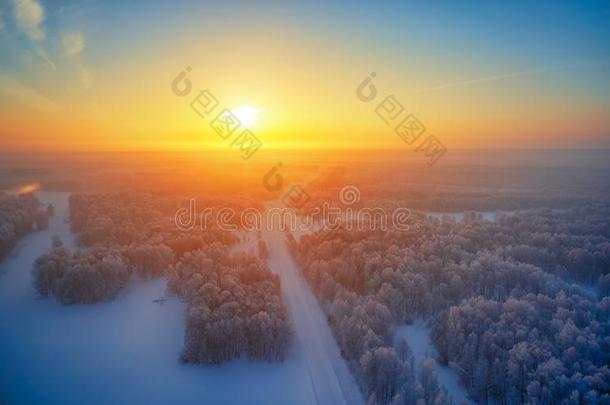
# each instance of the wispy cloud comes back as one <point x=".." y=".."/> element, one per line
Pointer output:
<point x="485" y="79"/>
<point x="507" y="76"/>
<point x="27" y="95"/>
<point x="29" y="16"/>
<point x="1" y="22"/>
<point x="72" y="43"/>
<point x="42" y="53"/>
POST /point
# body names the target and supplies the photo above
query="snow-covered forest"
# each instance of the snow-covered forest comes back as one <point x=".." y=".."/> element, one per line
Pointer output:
<point x="80" y="278"/>
<point x="234" y="301"/>
<point x="499" y="306"/>
<point x="517" y="307"/>
<point x="19" y="215"/>
<point x="509" y="302"/>
<point x="235" y="307"/>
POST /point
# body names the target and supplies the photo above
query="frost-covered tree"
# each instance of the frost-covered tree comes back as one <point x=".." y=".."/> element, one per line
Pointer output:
<point x="504" y="298"/>
<point x="234" y="307"/>
<point x="80" y="278"/>
<point x="19" y="215"/>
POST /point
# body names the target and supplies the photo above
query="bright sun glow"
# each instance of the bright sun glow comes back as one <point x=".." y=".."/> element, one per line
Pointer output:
<point x="247" y="115"/>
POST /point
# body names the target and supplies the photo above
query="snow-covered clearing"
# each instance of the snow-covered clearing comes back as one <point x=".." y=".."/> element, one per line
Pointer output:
<point x="418" y="338"/>
<point x="120" y="352"/>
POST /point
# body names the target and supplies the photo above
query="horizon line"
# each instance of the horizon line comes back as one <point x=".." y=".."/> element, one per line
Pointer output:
<point x="301" y="149"/>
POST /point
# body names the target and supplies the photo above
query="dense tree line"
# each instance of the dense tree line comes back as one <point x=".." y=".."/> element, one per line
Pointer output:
<point x="452" y="273"/>
<point x="466" y="194"/>
<point x="19" y="215"/>
<point x="534" y="349"/>
<point x="80" y="278"/>
<point x="480" y="187"/>
<point x="234" y="307"/>
<point x="151" y="261"/>
<point x="388" y="373"/>
<point x="488" y="201"/>
<point x="137" y="218"/>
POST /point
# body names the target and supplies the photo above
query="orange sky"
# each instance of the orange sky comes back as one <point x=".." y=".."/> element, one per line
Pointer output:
<point x="86" y="79"/>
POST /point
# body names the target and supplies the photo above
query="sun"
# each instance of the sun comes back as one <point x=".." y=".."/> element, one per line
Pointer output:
<point x="247" y="115"/>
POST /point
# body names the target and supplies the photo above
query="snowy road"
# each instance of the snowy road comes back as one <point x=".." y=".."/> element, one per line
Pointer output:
<point x="330" y="377"/>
